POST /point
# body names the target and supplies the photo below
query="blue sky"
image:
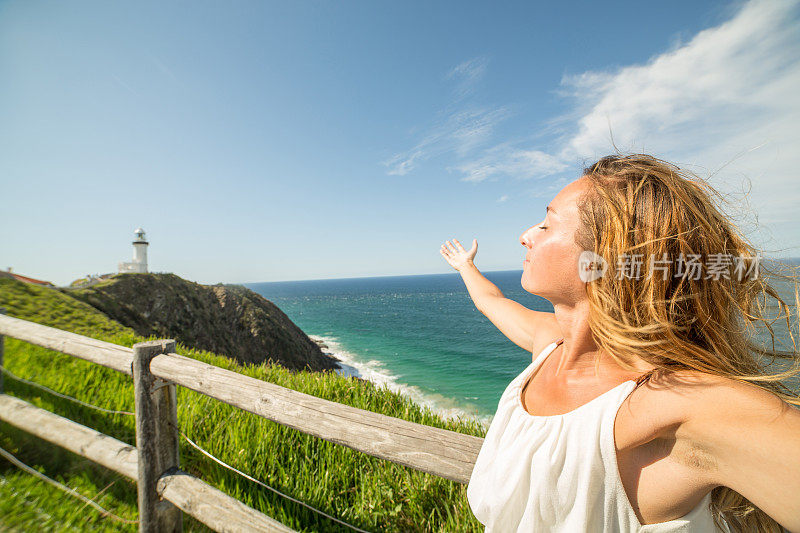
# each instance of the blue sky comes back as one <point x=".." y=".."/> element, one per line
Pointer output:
<point x="268" y="141"/>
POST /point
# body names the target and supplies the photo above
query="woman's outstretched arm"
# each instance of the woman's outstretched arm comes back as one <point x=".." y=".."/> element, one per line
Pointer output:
<point x="753" y="438"/>
<point x="525" y="327"/>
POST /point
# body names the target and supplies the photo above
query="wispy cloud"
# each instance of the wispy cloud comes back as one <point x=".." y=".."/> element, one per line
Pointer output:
<point x="125" y="86"/>
<point x="459" y="128"/>
<point x="163" y="68"/>
<point x="459" y="132"/>
<point x="502" y="199"/>
<point x="467" y="75"/>
<point x="505" y="160"/>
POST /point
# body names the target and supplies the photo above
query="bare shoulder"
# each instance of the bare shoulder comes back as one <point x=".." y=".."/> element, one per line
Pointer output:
<point x="710" y="403"/>
<point x="703" y="394"/>
<point x="670" y="404"/>
<point x="692" y="395"/>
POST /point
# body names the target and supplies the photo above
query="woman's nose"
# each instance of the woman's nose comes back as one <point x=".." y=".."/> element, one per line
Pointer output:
<point x="524" y="239"/>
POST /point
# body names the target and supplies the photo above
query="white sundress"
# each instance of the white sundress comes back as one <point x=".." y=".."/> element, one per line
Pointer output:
<point x="559" y="473"/>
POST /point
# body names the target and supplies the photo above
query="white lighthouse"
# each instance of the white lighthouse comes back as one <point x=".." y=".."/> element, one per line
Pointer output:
<point x="139" y="263"/>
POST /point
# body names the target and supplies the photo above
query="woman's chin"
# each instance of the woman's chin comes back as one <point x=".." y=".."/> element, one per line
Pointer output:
<point x="531" y="286"/>
<point x="526" y="284"/>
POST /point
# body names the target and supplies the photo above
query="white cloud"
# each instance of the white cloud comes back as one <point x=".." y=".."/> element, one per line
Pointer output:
<point x="729" y="93"/>
<point x="509" y="161"/>
<point x="724" y="75"/>
<point x="502" y="199"/>
<point x="726" y="99"/>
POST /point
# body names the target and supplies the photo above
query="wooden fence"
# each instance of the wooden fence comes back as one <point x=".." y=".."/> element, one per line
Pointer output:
<point x="164" y="491"/>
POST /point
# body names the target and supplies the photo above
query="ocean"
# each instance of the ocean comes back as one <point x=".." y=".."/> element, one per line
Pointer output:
<point x="418" y="335"/>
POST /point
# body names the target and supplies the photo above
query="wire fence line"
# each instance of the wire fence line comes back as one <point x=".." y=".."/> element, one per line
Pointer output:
<point x="254" y="480"/>
<point x="192" y="443"/>
<point x="72" y="492"/>
<point x="8" y="373"/>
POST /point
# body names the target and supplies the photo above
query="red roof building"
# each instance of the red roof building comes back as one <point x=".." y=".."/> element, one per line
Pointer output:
<point x="26" y="279"/>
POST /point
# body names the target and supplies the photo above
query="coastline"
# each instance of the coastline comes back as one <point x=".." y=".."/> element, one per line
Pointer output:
<point x="376" y="372"/>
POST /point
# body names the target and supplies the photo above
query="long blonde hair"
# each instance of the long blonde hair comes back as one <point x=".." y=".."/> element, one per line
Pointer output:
<point x="644" y="211"/>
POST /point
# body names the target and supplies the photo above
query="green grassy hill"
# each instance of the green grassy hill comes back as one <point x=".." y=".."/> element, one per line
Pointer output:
<point x="367" y="492"/>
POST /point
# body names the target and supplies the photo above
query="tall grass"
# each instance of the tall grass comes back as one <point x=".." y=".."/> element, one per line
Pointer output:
<point x="370" y="493"/>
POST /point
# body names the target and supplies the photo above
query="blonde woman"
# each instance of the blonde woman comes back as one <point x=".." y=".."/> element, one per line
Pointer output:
<point x="647" y="406"/>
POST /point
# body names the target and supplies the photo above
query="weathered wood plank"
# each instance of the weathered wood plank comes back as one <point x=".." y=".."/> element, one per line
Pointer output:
<point x="220" y="512"/>
<point x="86" y="442"/>
<point x="447" y="454"/>
<point x="102" y="353"/>
<point x="193" y="496"/>
<point x="156" y="438"/>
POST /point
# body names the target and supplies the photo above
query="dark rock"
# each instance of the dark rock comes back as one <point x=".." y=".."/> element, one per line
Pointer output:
<point x="228" y="320"/>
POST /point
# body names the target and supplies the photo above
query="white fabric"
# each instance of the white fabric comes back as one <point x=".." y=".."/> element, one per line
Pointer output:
<point x="559" y="473"/>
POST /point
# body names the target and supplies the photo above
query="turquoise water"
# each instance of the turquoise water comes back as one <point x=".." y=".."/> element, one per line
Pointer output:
<point x="420" y="335"/>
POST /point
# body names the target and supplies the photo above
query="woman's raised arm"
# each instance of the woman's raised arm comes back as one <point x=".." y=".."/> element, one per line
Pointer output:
<point x="525" y="327"/>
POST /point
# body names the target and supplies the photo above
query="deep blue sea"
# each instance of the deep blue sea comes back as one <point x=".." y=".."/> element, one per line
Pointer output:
<point x="419" y="335"/>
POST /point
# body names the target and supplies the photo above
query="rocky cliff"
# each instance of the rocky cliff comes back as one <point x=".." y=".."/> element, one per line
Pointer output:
<point x="228" y="320"/>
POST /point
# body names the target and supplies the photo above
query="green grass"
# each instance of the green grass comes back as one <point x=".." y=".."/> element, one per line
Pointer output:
<point x="370" y="493"/>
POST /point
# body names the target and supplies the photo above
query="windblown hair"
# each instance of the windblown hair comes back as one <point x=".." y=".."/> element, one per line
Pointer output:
<point x="669" y="315"/>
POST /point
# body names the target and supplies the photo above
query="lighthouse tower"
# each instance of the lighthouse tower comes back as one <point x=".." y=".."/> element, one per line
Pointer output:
<point x="139" y="263"/>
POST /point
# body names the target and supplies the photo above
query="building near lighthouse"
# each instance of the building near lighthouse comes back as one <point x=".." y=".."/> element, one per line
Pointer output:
<point x="139" y="263"/>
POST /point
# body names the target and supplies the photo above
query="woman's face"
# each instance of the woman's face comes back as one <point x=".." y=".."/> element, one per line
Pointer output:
<point x="550" y="269"/>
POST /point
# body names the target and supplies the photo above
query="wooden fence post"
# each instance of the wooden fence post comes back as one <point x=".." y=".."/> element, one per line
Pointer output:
<point x="156" y="438"/>
<point x="2" y="354"/>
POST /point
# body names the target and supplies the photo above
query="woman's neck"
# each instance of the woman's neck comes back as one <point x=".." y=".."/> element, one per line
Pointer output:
<point x="579" y="351"/>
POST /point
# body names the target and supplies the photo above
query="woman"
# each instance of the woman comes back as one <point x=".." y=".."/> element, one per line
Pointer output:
<point x="646" y="406"/>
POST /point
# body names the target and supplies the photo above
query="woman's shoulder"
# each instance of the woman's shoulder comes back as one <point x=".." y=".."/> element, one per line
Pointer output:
<point x="684" y="388"/>
<point x="694" y="387"/>
<point x="705" y="397"/>
<point x="672" y="399"/>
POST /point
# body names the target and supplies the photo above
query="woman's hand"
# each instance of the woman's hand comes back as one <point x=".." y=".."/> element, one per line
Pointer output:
<point x="456" y="255"/>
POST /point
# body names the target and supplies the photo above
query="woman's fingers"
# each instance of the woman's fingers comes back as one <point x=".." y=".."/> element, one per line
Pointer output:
<point x="454" y="248"/>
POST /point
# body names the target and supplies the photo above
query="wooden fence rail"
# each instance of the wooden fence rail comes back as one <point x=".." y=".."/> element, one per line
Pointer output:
<point x="191" y="495"/>
<point x="441" y="452"/>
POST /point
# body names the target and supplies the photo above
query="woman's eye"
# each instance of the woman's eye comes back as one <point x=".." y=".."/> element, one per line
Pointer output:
<point x="542" y="227"/>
